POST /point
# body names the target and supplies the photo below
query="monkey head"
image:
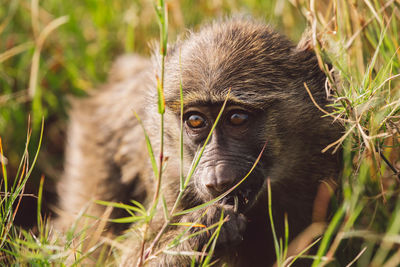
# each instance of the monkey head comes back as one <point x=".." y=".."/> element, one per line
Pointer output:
<point x="267" y="105"/>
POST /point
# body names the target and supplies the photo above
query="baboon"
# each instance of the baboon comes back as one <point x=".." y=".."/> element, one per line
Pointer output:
<point x="261" y="74"/>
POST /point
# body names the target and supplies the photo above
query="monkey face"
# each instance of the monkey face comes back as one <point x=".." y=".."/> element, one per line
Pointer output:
<point x="264" y="74"/>
<point x="229" y="155"/>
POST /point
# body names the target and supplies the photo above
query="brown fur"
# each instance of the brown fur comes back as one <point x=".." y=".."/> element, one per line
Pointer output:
<point x="107" y="158"/>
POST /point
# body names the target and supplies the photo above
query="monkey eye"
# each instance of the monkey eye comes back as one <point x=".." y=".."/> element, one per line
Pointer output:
<point x="238" y="118"/>
<point x="195" y="121"/>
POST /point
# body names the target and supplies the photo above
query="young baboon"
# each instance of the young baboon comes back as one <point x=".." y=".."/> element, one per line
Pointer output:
<point x="267" y="107"/>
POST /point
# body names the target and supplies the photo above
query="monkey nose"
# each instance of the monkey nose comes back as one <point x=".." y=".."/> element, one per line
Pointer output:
<point x="217" y="186"/>
<point x="222" y="178"/>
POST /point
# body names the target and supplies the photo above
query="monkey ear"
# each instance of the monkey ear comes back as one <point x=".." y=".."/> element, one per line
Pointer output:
<point x="306" y="42"/>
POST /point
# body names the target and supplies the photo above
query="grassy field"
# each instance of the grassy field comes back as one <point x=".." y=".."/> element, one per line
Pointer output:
<point x="50" y="50"/>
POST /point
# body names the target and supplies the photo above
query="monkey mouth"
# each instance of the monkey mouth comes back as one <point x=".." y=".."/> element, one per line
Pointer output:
<point x="240" y="200"/>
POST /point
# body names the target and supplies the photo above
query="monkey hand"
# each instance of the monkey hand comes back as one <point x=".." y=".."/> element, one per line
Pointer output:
<point x="231" y="232"/>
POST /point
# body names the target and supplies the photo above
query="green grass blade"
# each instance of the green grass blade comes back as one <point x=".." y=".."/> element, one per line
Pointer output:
<point x="121" y="206"/>
<point x="149" y="146"/>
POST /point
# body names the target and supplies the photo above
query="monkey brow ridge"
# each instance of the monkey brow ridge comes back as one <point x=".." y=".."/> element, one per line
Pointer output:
<point x="204" y="99"/>
<point x="176" y="105"/>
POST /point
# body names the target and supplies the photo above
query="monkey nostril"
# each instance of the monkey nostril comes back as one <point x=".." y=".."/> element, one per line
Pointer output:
<point x="210" y="184"/>
<point x="222" y="186"/>
<point x="217" y="185"/>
